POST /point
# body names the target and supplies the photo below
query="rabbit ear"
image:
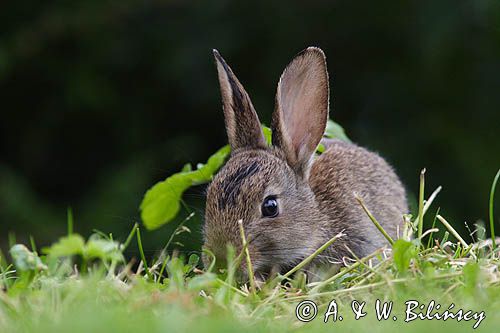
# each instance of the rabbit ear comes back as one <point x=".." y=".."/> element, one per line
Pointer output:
<point x="301" y="111"/>
<point x="242" y="124"/>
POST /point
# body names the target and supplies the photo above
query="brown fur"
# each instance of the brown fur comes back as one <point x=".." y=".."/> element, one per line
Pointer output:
<point x="316" y="200"/>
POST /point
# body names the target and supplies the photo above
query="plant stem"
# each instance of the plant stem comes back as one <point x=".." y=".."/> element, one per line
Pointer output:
<point x="492" y="220"/>
<point x="143" y="257"/>
<point x="165" y="261"/>
<point x="70" y="221"/>
<point x="433" y="225"/>
<point x="130" y="236"/>
<point x="247" y="254"/>
<point x="312" y="256"/>
<point x="374" y="220"/>
<point x="421" y="204"/>
<point x="241" y="292"/>
<point x="175" y="231"/>
<point x="455" y="233"/>
<point x="33" y="245"/>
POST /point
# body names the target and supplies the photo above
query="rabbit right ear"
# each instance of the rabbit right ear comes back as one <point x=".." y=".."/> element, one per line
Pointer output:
<point x="301" y="112"/>
<point x="242" y="124"/>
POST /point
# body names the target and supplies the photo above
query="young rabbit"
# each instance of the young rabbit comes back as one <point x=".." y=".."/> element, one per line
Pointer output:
<point x="290" y="200"/>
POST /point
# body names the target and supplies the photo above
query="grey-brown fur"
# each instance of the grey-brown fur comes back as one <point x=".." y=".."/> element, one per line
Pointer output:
<point x="315" y="194"/>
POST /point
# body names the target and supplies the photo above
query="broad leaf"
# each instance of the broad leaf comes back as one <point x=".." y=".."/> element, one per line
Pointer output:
<point x="161" y="203"/>
<point x="95" y="248"/>
<point x="25" y="260"/>
<point x="104" y="249"/>
<point x="403" y="252"/>
<point x="335" y="131"/>
<point x="67" y="246"/>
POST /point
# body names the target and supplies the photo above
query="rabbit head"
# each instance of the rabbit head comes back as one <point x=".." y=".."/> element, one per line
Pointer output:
<point x="266" y="187"/>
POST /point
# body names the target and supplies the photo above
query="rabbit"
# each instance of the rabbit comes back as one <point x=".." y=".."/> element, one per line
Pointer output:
<point x="290" y="200"/>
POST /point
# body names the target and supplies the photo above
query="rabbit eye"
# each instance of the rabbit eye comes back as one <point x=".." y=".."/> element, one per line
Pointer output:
<point x="270" y="207"/>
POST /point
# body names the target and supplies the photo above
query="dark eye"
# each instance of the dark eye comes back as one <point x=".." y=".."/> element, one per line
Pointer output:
<point x="270" y="207"/>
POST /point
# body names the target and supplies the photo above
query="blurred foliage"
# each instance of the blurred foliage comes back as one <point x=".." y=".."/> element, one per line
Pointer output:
<point x="102" y="99"/>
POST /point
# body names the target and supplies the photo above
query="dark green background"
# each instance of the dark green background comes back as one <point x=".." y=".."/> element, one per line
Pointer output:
<point x="101" y="99"/>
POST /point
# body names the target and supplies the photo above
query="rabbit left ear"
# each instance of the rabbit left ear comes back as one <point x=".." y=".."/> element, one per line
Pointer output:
<point x="301" y="111"/>
<point x="242" y="123"/>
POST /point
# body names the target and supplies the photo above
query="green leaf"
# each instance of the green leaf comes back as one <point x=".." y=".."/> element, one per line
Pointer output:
<point x="104" y="249"/>
<point x="335" y="131"/>
<point x="67" y="246"/>
<point x="320" y="149"/>
<point x="267" y="134"/>
<point x="471" y="272"/>
<point x="403" y="252"/>
<point x="161" y="203"/>
<point x="204" y="281"/>
<point x="193" y="260"/>
<point x="25" y="260"/>
<point x="95" y="248"/>
<point x="187" y="167"/>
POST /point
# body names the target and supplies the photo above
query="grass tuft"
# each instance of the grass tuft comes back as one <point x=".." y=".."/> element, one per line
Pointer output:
<point x="83" y="285"/>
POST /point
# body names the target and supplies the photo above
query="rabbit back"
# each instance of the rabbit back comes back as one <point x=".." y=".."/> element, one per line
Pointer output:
<point x="345" y="170"/>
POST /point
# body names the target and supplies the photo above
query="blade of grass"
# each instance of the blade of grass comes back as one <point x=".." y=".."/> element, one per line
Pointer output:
<point x="367" y="267"/>
<point x="492" y="220"/>
<point x="3" y="271"/>
<point x="212" y="262"/>
<point x="452" y="230"/>
<point x="312" y="256"/>
<point x="247" y="254"/>
<point x="70" y="220"/>
<point x="430" y="231"/>
<point x="12" y="239"/>
<point x="445" y="237"/>
<point x="233" y="288"/>
<point x="454" y="233"/>
<point x="33" y="244"/>
<point x="429" y="242"/>
<point x="175" y="231"/>
<point x="130" y="236"/>
<point x="141" y="251"/>
<point x="164" y="250"/>
<point x="374" y="220"/>
<point x="421" y="204"/>
<point x="163" y="266"/>
<point x="100" y="233"/>
<point x="428" y="202"/>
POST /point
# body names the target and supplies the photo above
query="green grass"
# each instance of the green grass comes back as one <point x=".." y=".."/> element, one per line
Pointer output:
<point x="79" y="285"/>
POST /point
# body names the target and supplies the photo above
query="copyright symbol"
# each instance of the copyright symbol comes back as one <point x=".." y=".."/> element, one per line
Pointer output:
<point x="306" y="311"/>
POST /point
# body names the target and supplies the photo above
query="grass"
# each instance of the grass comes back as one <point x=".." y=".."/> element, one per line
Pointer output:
<point x="82" y="285"/>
